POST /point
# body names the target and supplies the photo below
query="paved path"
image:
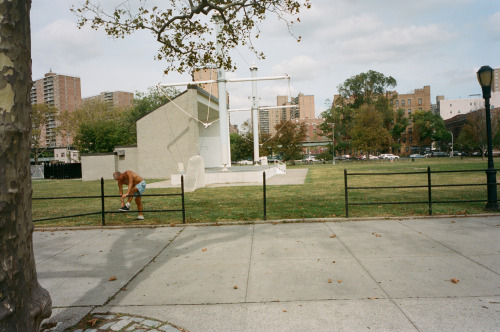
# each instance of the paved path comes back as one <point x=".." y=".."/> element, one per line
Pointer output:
<point x="440" y="274"/>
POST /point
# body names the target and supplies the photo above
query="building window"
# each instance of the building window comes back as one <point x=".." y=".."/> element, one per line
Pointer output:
<point x="409" y="111"/>
<point x="397" y="103"/>
<point x="410" y="130"/>
<point x="407" y="149"/>
<point x="404" y="139"/>
<point x="402" y="102"/>
<point x="409" y="102"/>
<point x="409" y="120"/>
<point x="420" y="101"/>
<point x="410" y="139"/>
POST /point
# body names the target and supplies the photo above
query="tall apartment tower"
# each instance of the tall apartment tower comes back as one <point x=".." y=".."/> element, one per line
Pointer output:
<point x="120" y="99"/>
<point x="64" y="93"/>
<point x="494" y="84"/>
<point x="304" y="112"/>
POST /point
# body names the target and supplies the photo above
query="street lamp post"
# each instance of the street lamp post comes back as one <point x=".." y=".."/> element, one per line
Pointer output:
<point x="485" y="77"/>
<point x="451" y="154"/>
<point x="333" y="142"/>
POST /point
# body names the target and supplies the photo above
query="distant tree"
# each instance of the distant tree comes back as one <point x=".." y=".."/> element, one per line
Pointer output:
<point x="369" y="133"/>
<point x="41" y="114"/>
<point x="24" y="303"/>
<point x="473" y="135"/>
<point x="400" y="124"/>
<point x="368" y="88"/>
<point x="242" y="143"/>
<point x="429" y="127"/>
<point x="100" y="127"/>
<point x="268" y="145"/>
<point x="365" y="88"/>
<point x="289" y="139"/>
<point x="185" y="28"/>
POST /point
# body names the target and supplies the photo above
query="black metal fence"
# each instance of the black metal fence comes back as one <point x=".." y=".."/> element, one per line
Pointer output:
<point x="62" y="171"/>
<point x="428" y="185"/>
<point x="103" y="211"/>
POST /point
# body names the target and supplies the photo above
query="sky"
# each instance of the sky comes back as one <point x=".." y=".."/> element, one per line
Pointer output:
<point x="441" y="43"/>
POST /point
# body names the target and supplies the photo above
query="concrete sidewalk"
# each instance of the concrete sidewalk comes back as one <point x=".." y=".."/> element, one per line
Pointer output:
<point x="432" y="274"/>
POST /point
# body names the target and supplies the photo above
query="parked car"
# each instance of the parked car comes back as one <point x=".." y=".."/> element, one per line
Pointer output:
<point x="388" y="156"/>
<point x="476" y="154"/>
<point x="372" y="157"/>
<point x="439" y="154"/>
<point x="416" y="155"/>
<point x="244" y="162"/>
<point x="345" y="157"/>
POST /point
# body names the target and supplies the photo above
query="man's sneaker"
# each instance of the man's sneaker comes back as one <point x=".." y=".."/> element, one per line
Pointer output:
<point x="123" y="208"/>
<point x="139" y="218"/>
<point x="127" y="205"/>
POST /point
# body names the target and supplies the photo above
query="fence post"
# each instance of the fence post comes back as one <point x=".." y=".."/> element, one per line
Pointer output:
<point x="102" y="203"/>
<point x="346" y="199"/>
<point x="183" y="207"/>
<point x="264" y="191"/>
<point x="429" y="186"/>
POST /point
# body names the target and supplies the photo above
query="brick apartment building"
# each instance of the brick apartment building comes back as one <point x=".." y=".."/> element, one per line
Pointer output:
<point x="62" y="92"/>
<point x="119" y="99"/>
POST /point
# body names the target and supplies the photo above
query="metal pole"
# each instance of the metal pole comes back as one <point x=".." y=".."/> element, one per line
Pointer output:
<point x="491" y="173"/>
<point x="255" y="117"/>
<point x="333" y="142"/>
<point x="264" y="191"/>
<point x="429" y="186"/>
<point x="223" y="118"/>
<point x="183" y="206"/>
<point x="346" y="199"/>
<point x="103" y="221"/>
<point x="451" y="155"/>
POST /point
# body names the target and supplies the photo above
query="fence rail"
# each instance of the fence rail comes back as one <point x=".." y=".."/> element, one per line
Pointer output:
<point x="103" y="211"/>
<point x="429" y="187"/>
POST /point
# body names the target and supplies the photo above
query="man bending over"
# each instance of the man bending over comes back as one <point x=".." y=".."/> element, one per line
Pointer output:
<point x="136" y="186"/>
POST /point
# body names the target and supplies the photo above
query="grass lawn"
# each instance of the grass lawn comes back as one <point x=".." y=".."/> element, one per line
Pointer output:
<point x="322" y="196"/>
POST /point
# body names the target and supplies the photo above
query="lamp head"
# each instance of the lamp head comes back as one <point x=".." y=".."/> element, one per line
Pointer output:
<point x="485" y="77"/>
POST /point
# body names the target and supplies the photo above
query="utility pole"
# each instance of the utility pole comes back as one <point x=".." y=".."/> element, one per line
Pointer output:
<point x="255" y="116"/>
<point x="223" y="114"/>
<point x="333" y="142"/>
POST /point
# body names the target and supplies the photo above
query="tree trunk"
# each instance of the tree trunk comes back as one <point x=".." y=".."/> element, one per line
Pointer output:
<point x="23" y="302"/>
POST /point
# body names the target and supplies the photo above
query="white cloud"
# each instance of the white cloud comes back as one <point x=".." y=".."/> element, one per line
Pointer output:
<point x="301" y="68"/>
<point x="493" y="26"/>
<point x="394" y="44"/>
<point x="62" y="40"/>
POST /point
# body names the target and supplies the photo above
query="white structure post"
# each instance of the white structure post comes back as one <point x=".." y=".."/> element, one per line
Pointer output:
<point x="255" y="116"/>
<point x="223" y="113"/>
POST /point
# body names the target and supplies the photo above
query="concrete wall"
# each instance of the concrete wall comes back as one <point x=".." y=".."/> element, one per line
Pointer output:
<point x="209" y="138"/>
<point x="126" y="158"/>
<point x="95" y="166"/>
<point x="168" y="136"/>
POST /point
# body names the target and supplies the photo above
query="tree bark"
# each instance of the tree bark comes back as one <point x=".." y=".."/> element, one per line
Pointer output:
<point x="23" y="302"/>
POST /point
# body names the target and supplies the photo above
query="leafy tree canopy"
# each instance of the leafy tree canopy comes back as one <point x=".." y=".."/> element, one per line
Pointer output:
<point x="184" y="28"/>
<point x="368" y="133"/>
<point x="289" y="138"/>
<point x="99" y="127"/>
<point x="429" y="126"/>
<point x="365" y="87"/>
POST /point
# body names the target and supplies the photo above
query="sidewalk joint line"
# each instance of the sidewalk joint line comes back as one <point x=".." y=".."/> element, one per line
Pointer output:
<point x="142" y="269"/>
<point x="449" y="248"/>
<point x="374" y="280"/>
<point x="250" y="263"/>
